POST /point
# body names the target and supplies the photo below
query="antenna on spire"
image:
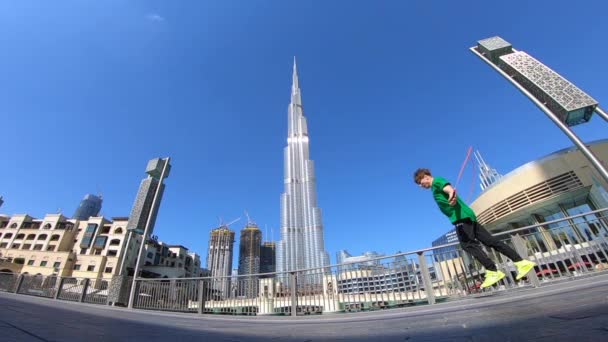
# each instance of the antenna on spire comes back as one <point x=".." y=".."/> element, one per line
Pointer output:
<point x="487" y="174"/>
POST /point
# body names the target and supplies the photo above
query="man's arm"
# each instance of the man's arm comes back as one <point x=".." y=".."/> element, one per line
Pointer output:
<point x="448" y="189"/>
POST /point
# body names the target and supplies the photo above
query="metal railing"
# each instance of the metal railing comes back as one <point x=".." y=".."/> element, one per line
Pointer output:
<point x="564" y="248"/>
<point x="65" y="288"/>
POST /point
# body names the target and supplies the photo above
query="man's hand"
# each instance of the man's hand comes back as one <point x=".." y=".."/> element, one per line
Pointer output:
<point x="453" y="197"/>
<point x="451" y="192"/>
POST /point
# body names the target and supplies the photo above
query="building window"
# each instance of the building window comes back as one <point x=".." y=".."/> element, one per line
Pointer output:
<point x="91" y="268"/>
<point x="83" y="251"/>
<point x="57" y="264"/>
<point x="14" y="225"/>
<point x="108" y="270"/>
<point x="50" y="248"/>
<point x="112" y="253"/>
<point x="115" y="242"/>
<point x="97" y="252"/>
<point x="88" y="235"/>
<point x="150" y="255"/>
<point x="3" y="224"/>
<point x="118" y="230"/>
<point x="43" y="263"/>
<point x="16" y="245"/>
<point x="100" y="242"/>
<point x="42" y="237"/>
<point x="19" y="236"/>
<point x="31" y="262"/>
<point x="37" y="247"/>
<point x="55" y="237"/>
<point x="105" y="230"/>
<point x="3" y="245"/>
<point x="27" y="246"/>
<point x="8" y="236"/>
<point x="47" y="226"/>
<point x="76" y="267"/>
<point x="31" y="237"/>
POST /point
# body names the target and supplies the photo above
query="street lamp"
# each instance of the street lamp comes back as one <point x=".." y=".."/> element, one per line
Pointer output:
<point x="564" y="103"/>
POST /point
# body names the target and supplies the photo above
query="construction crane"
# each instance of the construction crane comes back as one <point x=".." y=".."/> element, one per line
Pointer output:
<point x="227" y="225"/>
<point x="250" y="223"/>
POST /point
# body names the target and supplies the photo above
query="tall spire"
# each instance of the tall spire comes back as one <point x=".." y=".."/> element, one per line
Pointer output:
<point x="295" y="85"/>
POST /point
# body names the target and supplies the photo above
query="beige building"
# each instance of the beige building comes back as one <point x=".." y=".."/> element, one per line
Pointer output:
<point x="170" y="261"/>
<point x="41" y="246"/>
<point x="100" y="246"/>
<point x="92" y="249"/>
<point x="59" y="246"/>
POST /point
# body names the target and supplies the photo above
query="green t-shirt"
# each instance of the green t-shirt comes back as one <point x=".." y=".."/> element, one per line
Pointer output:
<point x="457" y="212"/>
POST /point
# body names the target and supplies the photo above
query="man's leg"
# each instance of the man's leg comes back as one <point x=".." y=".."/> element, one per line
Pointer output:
<point x="487" y="239"/>
<point x="523" y="266"/>
<point x="466" y="236"/>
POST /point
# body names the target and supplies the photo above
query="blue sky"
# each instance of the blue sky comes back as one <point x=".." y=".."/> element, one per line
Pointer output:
<point x="91" y="90"/>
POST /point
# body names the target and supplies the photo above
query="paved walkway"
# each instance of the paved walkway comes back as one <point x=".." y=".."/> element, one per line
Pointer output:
<point x="574" y="310"/>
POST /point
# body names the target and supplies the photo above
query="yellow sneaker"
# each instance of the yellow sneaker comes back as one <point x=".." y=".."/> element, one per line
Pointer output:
<point x="492" y="277"/>
<point x="523" y="267"/>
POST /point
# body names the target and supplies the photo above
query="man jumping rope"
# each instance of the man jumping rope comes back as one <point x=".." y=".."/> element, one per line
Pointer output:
<point x="470" y="233"/>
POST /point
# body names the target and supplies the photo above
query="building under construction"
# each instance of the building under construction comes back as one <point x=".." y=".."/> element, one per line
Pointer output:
<point x="267" y="258"/>
<point x="219" y="259"/>
<point x="249" y="259"/>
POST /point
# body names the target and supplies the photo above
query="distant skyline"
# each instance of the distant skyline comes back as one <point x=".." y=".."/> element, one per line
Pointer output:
<point x="90" y="91"/>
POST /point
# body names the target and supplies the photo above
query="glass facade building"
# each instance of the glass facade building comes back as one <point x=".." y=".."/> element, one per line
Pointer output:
<point x="89" y="206"/>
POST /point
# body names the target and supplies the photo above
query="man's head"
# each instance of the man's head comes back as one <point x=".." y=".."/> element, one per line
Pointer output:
<point x="423" y="178"/>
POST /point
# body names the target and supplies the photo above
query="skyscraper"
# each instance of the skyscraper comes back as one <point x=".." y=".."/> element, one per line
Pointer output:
<point x="302" y="245"/>
<point x="89" y="206"/>
<point x="268" y="257"/>
<point x="249" y="258"/>
<point x="219" y="259"/>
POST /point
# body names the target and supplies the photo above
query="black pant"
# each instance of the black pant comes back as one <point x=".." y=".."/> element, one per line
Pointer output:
<point x="470" y="234"/>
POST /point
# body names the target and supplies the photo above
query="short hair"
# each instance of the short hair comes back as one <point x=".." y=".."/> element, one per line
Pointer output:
<point x="420" y="173"/>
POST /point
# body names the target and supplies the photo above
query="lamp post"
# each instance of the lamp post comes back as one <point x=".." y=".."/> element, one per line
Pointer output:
<point x="562" y="102"/>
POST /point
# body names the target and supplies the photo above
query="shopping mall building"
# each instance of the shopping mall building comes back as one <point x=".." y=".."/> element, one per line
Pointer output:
<point x="559" y="185"/>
